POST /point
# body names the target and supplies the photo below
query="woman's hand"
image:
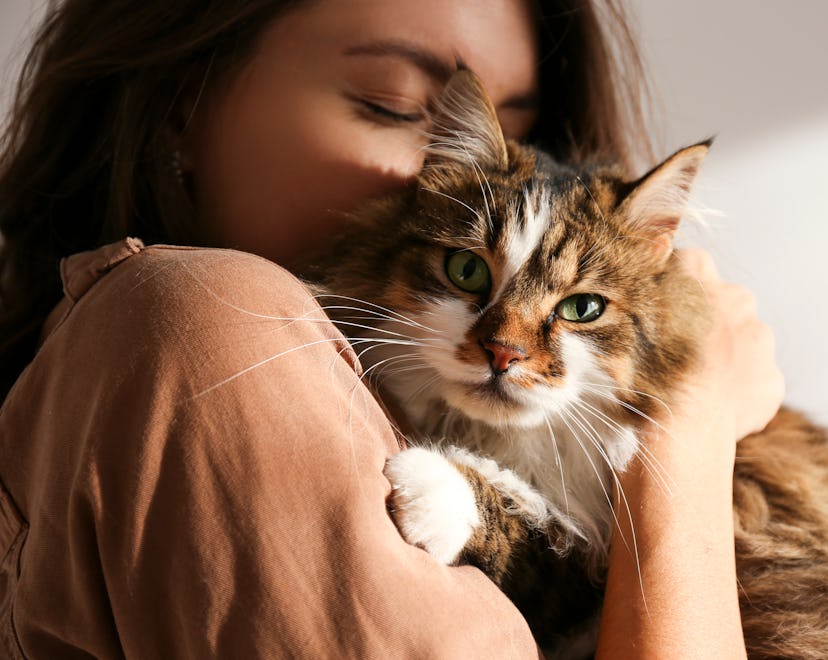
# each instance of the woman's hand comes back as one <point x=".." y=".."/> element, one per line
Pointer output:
<point x="738" y="384"/>
<point x="671" y="586"/>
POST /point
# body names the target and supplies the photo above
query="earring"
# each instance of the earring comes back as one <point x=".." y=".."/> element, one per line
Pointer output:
<point x="175" y="165"/>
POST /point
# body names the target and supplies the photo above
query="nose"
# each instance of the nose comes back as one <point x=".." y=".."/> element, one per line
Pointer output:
<point x="501" y="356"/>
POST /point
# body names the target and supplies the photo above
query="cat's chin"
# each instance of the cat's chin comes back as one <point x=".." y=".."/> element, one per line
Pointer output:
<point x="492" y="405"/>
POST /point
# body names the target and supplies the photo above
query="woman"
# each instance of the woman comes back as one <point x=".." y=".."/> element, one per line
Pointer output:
<point x="179" y="478"/>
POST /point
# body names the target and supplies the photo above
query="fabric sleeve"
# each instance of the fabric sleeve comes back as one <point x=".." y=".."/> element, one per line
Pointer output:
<point x="231" y="482"/>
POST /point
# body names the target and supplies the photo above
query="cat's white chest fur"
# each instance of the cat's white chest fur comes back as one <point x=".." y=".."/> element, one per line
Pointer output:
<point x="571" y="465"/>
<point x="435" y="506"/>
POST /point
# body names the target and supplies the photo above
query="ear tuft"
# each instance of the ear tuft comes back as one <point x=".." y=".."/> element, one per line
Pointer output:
<point x="464" y="128"/>
<point x="658" y="200"/>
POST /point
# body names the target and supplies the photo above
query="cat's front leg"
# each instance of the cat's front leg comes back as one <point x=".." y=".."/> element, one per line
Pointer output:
<point x="463" y="508"/>
<point x="432" y="502"/>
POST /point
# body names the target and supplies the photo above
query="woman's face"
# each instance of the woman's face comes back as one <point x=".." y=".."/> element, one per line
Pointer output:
<point x="329" y="112"/>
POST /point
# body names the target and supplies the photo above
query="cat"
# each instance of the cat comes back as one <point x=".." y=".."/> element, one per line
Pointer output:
<point x="526" y="316"/>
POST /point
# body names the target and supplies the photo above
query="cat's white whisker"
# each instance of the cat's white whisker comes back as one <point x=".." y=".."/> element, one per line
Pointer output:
<point x="288" y="320"/>
<point x="391" y="366"/>
<point x="559" y="463"/>
<point x="367" y="373"/>
<point x="579" y="408"/>
<point x="566" y="417"/>
<point x="371" y="314"/>
<point x="237" y="308"/>
<point x="577" y="416"/>
<point x="626" y="504"/>
<point x="491" y="193"/>
<point x="478" y="172"/>
<point x="651" y="463"/>
<point x="377" y="341"/>
<point x="371" y="328"/>
<point x="454" y="199"/>
<point x="261" y="363"/>
<point x="646" y="395"/>
<point x="629" y="407"/>
<point x="364" y="376"/>
<point x="401" y="371"/>
<point x="427" y="383"/>
<point x="592" y="197"/>
<point x="472" y="160"/>
<point x="421" y="341"/>
<point x="384" y="322"/>
<point x="393" y="313"/>
<point x="623" y="497"/>
<point x="656" y="469"/>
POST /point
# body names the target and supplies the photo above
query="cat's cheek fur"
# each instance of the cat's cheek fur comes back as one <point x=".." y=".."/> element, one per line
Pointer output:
<point x="451" y="318"/>
<point x="432" y="503"/>
<point x="443" y="324"/>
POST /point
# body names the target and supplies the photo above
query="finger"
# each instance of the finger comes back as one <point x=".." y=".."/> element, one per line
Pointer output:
<point x="698" y="263"/>
<point x="736" y="300"/>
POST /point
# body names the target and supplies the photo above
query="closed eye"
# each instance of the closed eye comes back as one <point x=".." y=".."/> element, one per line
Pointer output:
<point x="388" y="114"/>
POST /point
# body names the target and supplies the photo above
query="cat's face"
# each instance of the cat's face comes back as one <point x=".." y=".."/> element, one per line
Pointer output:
<point x="514" y="288"/>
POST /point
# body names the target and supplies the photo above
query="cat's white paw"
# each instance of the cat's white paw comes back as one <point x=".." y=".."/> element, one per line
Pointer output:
<point x="528" y="502"/>
<point x="432" y="504"/>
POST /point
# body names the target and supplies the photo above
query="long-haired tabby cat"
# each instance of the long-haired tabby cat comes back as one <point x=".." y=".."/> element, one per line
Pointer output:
<point x="526" y="316"/>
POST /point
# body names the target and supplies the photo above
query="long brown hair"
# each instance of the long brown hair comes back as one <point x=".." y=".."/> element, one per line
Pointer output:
<point x="86" y="156"/>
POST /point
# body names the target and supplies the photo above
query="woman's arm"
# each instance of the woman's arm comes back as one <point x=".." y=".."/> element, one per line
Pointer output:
<point x="671" y="588"/>
<point x="203" y="478"/>
<point x="272" y="478"/>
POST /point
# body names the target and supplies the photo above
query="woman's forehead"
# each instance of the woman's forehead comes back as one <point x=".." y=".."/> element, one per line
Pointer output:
<point x="495" y="38"/>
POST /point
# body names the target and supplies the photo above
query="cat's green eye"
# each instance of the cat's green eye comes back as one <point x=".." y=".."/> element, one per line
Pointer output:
<point x="581" y="308"/>
<point x="468" y="272"/>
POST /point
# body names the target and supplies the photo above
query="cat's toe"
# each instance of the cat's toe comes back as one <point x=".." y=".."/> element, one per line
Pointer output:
<point x="432" y="503"/>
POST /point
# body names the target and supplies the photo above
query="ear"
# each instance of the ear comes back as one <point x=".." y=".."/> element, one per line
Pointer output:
<point x="464" y="130"/>
<point x="657" y="201"/>
<point x="182" y="129"/>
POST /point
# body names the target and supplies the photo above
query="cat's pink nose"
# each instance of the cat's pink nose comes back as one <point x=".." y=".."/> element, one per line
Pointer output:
<point x="501" y="356"/>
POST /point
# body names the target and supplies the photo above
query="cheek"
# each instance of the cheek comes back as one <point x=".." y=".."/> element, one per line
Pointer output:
<point x="341" y="163"/>
<point x="276" y="182"/>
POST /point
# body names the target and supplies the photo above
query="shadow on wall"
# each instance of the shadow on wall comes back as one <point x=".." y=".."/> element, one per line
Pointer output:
<point x="773" y="238"/>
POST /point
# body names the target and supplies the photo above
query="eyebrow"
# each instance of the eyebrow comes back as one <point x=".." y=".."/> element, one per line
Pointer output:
<point x="433" y="65"/>
<point x="430" y="63"/>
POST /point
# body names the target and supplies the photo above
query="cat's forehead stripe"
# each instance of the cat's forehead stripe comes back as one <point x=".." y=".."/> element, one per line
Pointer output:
<point x="526" y="230"/>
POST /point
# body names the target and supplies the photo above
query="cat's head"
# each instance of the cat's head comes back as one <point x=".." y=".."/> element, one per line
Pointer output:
<point x="508" y="287"/>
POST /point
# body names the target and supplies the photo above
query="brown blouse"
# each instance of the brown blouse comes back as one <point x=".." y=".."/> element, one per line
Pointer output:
<point x="191" y="468"/>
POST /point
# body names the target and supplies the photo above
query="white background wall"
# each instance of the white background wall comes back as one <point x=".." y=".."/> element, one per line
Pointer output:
<point x="755" y="74"/>
<point x="17" y="19"/>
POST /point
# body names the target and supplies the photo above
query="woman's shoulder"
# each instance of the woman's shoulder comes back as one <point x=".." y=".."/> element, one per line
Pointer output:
<point x="205" y="311"/>
<point x="173" y="272"/>
<point x="147" y="285"/>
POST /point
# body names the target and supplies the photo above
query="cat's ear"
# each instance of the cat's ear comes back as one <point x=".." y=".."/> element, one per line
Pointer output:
<point x="655" y="204"/>
<point x="465" y="130"/>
